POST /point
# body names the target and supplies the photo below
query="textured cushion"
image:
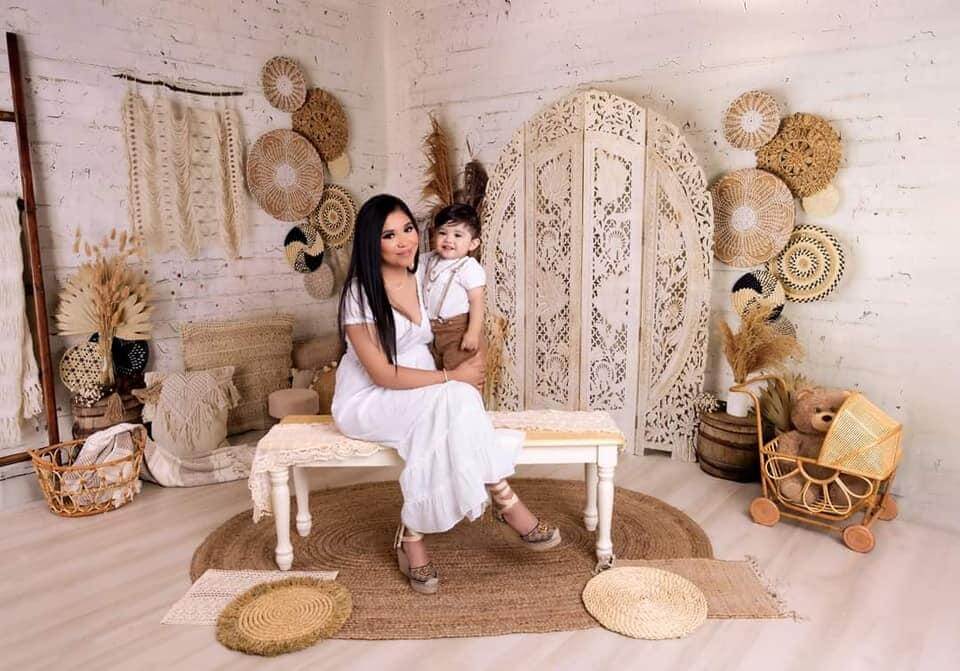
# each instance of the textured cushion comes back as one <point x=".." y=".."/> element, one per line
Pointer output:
<point x="316" y="352"/>
<point x="259" y="349"/>
<point x="293" y="402"/>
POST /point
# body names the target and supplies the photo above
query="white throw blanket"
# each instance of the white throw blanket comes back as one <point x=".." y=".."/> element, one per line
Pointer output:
<point x="111" y="444"/>
<point x="20" y="393"/>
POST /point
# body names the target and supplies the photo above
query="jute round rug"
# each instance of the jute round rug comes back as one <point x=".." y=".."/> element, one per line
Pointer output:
<point x="490" y="585"/>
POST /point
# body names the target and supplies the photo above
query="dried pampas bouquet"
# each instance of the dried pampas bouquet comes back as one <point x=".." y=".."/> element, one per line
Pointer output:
<point x="757" y="345"/>
<point x="106" y="296"/>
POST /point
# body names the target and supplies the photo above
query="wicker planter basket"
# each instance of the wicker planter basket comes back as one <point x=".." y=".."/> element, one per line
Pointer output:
<point x="78" y="491"/>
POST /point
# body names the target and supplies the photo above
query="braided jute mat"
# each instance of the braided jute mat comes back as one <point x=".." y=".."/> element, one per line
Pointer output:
<point x="490" y="585"/>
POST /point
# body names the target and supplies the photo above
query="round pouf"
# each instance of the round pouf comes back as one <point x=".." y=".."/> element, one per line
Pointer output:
<point x="645" y="602"/>
<point x="285" y="402"/>
<point x="284" y="616"/>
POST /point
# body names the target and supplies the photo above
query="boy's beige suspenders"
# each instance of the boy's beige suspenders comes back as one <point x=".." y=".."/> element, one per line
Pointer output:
<point x="453" y="274"/>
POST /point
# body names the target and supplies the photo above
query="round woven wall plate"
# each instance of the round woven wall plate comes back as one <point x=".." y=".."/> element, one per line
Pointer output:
<point x="339" y="167"/>
<point x="303" y="248"/>
<point x="279" y="617"/>
<point x="758" y="287"/>
<point x="130" y="357"/>
<point x="784" y="326"/>
<point x="754" y="214"/>
<point x="336" y="216"/>
<point x="81" y="369"/>
<point x="323" y="120"/>
<point x="822" y="203"/>
<point x="285" y="175"/>
<point x="645" y="602"/>
<point x="811" y="265"/>
<point x="805" y="154"/>
<point x="751" y="120"/>
<point x="283" y="84"/>
<point x="319" y="284"/>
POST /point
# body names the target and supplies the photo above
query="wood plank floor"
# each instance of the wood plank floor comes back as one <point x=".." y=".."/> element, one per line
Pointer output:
<point x="90" y="593"/>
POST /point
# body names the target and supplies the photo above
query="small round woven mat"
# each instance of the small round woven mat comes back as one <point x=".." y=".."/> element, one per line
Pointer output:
<point x="751" y="120"/>
<point x="645" y="602"/>
<point x="285" y="175"/>
<point x="284" y="616"/>
<point x="758" y="287"/>
<point x="303" y="248"/>
<point x="783" y="326"/>
<point x="811" y="265"/>
<point x="319" y="284"/>
<point x="491" y="585"/>
<point x="805" y="154"/>
<point x="323" y="120"/>
<point x="336" y="216"/>
<point x="822" y="203"/>
<point x="81" y="369"/>
<point x="339" y="167"/>
<point x="283" y="84"/>
<point x="754" y="214"/>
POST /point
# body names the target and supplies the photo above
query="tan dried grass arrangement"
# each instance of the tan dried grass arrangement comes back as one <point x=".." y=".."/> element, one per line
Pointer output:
<point x="776" y="401"/>
<point x="105" y="295"/>
<point x="757" y="345"/>
<point x="438" y="186"/>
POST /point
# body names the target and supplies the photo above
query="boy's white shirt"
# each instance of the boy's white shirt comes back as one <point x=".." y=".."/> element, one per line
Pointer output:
<point x="469" y="274"/>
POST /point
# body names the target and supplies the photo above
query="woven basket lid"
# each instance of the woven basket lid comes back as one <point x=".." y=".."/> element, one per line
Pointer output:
<point x="319" y="284"/>
<point x="283" y="84"/>
<point x="274" y="618"/>
<point x="323" y="120"/>
<point x="751" y="120"/>
<point x="285" y="175"/>
<point x="303" y="248"/>
<point x="339" y="167"/>
<point x="823" y="203"/>
<point x="758" y="287"/>
<point x="645" y="602"/>
<point x="805" y="154"/>
<point x="811" y="264"/>
<point x="81" y="369"/>
<point x="336" y="216"/>
<point x="754" y="214"/>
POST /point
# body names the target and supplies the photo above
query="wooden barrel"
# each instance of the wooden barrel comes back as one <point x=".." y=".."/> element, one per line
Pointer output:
<point x="727" y="447"/>
<point x="87" y="421"/>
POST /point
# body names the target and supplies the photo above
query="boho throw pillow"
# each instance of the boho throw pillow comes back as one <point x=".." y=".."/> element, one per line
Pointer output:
<point x="260" y="352"/>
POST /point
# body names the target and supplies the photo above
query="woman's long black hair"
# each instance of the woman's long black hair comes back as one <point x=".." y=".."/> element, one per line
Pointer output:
<point x="365" y="269"/>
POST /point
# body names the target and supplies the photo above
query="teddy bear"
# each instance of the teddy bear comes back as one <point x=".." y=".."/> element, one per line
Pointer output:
<point x="814" y="409"/>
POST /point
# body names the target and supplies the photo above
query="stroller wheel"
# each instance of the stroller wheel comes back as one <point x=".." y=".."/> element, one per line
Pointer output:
<point x="858" y="538"/>
<point x="764" y="511"/>
<point x="888" y="508"/>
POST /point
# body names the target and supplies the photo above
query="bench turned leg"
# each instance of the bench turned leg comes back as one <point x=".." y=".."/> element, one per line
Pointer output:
<point x="605" y="469"/>
<point x="302" y="491"/>
<point x="280" y="498"/>
<point x="590" y="510"/>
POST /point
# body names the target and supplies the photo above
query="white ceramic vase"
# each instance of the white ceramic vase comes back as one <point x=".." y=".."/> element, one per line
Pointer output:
<point x="738" y="404"/>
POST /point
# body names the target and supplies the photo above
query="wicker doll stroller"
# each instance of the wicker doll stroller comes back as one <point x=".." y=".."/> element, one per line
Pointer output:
<point x="852" y="474"/>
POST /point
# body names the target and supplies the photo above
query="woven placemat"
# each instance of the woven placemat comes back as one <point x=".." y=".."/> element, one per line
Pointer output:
<point x="336" y="215"/>
<point x="283" y="83"/>
<point x="323" y="121"/>
<point x="210" y="594"/>
<point x="490" y="584"/>
<point x="285" y="175"/>
<point x="805" y="154"/>
<point x="751" y="120"/>
<point x="754" y="214"/>
<point x="811" y="265"/>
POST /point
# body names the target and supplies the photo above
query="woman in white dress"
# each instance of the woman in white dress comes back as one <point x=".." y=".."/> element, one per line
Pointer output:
<point x="389" y="391"/>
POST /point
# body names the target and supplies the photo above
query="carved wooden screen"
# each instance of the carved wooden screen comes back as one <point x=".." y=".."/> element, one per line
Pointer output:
<point x="597" y="237"/>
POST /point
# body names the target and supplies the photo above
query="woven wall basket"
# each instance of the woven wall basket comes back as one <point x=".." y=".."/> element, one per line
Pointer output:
<point x="323" y="120"/>
<point x="339" y="167"/>
<point x="81" y="370"/>
<point x="758" y="287"/>
<point x="811" y="265"/>
<point x="336" y="216"/>
<point x="751" y="120"/>
<point x="784" y="326"/>
<point x="805" y="154"/>
<point x="753" y="214"/>
<point x="823" y="203"/>
<point x="283" y="84"/>
<point x="285" y="175"/>
<point x="319" y="284"/>
<point x="303" y="248"/>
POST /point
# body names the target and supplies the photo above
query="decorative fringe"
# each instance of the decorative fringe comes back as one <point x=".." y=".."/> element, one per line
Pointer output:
<point x="224" y="396"/>
<point x="772" y="592"/>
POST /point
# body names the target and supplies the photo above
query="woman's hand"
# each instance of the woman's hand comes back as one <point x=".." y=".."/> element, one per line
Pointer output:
<point x="472" y="371"/>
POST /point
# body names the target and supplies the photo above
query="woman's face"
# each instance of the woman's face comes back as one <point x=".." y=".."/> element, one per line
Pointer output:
<point x="398" y="240"/>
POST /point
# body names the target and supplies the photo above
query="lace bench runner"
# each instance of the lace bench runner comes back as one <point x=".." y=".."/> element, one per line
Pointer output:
<point x="300" y="440"/>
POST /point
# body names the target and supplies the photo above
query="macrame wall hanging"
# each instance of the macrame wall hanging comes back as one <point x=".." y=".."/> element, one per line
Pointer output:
<point x="186" y="178"/>
<point x="598" y="234"/>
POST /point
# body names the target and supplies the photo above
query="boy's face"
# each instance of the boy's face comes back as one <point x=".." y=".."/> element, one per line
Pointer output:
<point x="454" y="241"/>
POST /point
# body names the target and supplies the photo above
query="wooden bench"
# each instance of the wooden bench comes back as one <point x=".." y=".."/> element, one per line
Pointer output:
<point x="597" y="451"/>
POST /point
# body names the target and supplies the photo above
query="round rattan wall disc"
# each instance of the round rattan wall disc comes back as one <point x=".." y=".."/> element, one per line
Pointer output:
<point x="751" y="120"/>
<point x="303" y="248"/>
<point x="323" y="120"/>
<point x="645" y="602"/>
<point x="822" y="203"/>
<point x="81" y="369"/>
<point x="336" y="216"/>
<point x="805" y="154"/>
<point x="130" y="357"/>
<point x="283" y="84"/>
<point x="811" y="265"/>
<point x="754" y="214"/>
<point x="285" y="175"/>
<point x="319" y="284"/>
<point x="339" y="167"/>
<point x="759" y="287"/>
<point x="784" y="326"/>
<point x="283" y="616"/>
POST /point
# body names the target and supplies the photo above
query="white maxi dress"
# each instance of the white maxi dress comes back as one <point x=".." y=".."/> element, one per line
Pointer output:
<point x="442" y="432"/>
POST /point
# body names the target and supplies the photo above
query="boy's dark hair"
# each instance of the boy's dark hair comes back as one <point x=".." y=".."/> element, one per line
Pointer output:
<point x="460" y="213"/>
